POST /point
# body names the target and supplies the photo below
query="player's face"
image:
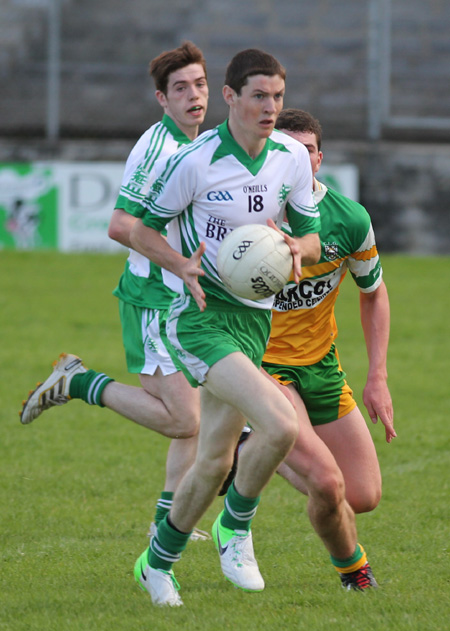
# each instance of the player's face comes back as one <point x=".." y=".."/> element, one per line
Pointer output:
<point x="186" y="100"/>
<point x="255" y="110"/>
<point x="308" y="139"/>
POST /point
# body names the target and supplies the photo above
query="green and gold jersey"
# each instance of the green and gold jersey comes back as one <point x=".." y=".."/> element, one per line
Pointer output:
<point x="303" y="319"/>
<point x="212" y="186"/>
<point x="141" y="282"/>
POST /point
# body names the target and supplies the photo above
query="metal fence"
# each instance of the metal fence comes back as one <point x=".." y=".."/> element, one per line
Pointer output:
<point x="408" y="66"/>
<point x="369" y="70"/>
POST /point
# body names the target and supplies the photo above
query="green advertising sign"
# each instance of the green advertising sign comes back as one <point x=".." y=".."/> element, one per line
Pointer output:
<point x="67" y="206"/>
<point x="28" y="207"/>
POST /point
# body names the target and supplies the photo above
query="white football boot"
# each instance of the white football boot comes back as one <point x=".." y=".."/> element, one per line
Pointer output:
<point x="237" y="558"/>
<point x="54" y="390"/>
<point x="161" y="585"/>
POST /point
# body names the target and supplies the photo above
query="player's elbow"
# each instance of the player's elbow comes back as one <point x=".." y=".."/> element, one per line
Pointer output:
<point x="120" y="226"/>
<point x="114" y="232"/>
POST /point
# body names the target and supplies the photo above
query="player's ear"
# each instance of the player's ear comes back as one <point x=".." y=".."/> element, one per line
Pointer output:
<point x="161" y="98"/>
<point x="228" y="94"/>
<point x="319" y="160"/>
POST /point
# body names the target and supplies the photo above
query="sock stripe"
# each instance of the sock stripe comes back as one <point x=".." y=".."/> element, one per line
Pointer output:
<point x="162" y="552"/>
<point x="94" y="388"/>
<point x="353" y="563"/>
<point x="240" y="516"/>
<point x="165" y="504"/>
<point x="353" y="568"/>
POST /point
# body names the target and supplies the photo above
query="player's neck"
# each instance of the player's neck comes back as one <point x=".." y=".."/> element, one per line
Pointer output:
<point x="190" y="132"/>
<point x="251" y="144"/>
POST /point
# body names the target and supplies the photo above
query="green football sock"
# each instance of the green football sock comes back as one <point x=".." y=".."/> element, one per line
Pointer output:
<point x="89" y="386"/>
<point x="166" y="546"/>
<point x="351" y="564"/>
<point x="163" y="506"/>
<point x="239" y="510"/>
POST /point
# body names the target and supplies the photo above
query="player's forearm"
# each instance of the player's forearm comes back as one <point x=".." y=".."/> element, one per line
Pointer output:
<point x="375" y="320"/>
<point x="154" y="246"/>
<point x="309" y="248"/>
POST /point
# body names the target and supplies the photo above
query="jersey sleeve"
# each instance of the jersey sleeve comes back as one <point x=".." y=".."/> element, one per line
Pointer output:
<point x="139" y="175"/>
<point x="172" y="191"/>
<point x="364" y="264"/>
<point x="301" y="210"/>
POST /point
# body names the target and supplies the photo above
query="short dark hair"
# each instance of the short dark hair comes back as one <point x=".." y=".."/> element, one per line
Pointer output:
<point x="171" y="60"/>
<point x="299" y="120"/>
<point x="250" y="62"/>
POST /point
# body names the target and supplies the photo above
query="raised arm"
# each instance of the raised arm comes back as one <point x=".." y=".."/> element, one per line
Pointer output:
<point x="375" y="320"/>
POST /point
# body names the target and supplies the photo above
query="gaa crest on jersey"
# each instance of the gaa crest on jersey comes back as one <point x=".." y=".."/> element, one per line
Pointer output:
<point x="331" y="250"/>
<point x="157" y="188"/>
<point x="219" y="196"/>
<point x="283" y="193"/>
<point x="139" y="176"/>
<point x="151" y="344"/>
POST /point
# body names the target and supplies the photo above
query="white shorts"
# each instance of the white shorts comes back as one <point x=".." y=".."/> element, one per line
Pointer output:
<point x="145" y="345"/>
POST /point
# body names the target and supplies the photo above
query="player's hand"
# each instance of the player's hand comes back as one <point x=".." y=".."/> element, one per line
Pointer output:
<point x="295" y="250"/>
<point x="377" y="399"/>
<point x="190" y="272"/>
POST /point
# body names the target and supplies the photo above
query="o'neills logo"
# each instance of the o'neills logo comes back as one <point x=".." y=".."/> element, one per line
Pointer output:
<point x="255" y="188"/>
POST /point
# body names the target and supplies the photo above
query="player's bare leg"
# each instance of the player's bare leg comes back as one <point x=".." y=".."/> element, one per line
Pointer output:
<point x="351" y="444"/>
<point x="226" y="402"/>
<point x="183" y="404"/>
<point x="180" y="458"/>
<point x="292" y="477"/>
<point x="214" y="458"/>
<point x="169" y="405"/>
<point x="165" y="404"/>
<point x="275" y="428"/>
<point x="330" y="514"/>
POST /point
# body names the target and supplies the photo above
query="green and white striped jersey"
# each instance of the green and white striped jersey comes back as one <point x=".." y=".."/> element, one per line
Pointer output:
<point x="303" y="321"/>
<point x="141" y="282"/>
<point x="212" y="186"/>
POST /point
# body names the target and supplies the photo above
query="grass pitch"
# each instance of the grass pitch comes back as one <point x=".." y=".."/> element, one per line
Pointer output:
<point x="80" y="483"/>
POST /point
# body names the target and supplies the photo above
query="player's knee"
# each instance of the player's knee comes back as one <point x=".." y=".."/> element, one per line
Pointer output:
<point x="215" y="469"/>
<point x="283" y="434"/>
<point x="366" y="500"/>
<point x="184" y="423"/>
<point x="184" y="428"/>
<point x="180" y="432"/>
<point x="329" y="486"/>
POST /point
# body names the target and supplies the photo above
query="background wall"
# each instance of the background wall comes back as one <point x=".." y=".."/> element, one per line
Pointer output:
<point x="376" y="73"/>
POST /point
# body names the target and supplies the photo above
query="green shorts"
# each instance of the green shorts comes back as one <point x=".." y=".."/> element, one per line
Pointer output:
<point x="322" y="387"/>
<point x="144" y="341"/>
<point x="199" y="339"/>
